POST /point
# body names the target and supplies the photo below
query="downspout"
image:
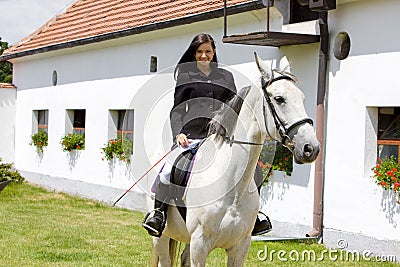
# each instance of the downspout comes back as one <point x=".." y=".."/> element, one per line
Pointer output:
<point x="317" y="230"/>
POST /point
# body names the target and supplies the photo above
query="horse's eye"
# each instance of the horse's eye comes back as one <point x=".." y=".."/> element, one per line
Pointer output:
<point x="279" y="99"/>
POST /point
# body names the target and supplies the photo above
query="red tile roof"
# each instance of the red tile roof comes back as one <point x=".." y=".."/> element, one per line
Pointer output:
<point x="86" y="19"/>
<point x="7" y="85"/>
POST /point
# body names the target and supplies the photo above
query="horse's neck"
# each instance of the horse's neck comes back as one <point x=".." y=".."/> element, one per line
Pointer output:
<point x="249" y="128"/>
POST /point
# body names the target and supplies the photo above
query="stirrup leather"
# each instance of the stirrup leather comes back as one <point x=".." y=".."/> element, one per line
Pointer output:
<point x="151" y="230"/>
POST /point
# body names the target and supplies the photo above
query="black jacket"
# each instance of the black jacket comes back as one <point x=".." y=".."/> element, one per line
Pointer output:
<point x="196" y="97"/>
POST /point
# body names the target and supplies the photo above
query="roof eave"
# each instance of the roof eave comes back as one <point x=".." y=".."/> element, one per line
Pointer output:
<point x="217" y="13"/>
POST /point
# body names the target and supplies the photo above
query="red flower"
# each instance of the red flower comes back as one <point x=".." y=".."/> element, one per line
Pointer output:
<point x="383" y="183"/>
<point x="394" y="179"/>
<point x="396" y="186"/>
<point x="262" y="164"/>
<point x="78" y="147"/>
<point x="390" y="173"/>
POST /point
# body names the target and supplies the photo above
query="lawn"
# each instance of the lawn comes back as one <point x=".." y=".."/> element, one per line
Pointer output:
<point x="44" y="228"/>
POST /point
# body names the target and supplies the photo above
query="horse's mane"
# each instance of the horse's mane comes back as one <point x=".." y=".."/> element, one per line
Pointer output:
<point x="224" y="121"/>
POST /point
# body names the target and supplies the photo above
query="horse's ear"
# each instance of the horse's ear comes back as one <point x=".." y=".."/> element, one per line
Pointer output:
<point x="284" y="64"/>
<point x="264" y="67"/>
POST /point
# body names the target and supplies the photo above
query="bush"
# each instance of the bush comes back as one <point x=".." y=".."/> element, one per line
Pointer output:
<point x="118" y="148"/>
<point x="282" y="161"/>
<point x="387" y="174"/>
<point x="73" y="141"/>
<point x="39" y="140"/>
<point x="7" y="172"/>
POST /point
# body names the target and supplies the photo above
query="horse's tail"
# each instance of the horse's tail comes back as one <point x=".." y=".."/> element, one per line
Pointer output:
<point x="173" y="251"/>
<point x="154" y="258"/>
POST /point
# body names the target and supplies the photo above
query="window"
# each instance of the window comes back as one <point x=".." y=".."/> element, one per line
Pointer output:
<point x="43" y="120"/>
<point x="54" y="78"/>
<point x="125" y="124"/>
<point x="153" y="64"/>
<point x="75" y="122"/>
<point x="301" y="13"/>
<point x="121" y="126"/>
<point x="388" y="132"/>
<point x="40" y="121"/>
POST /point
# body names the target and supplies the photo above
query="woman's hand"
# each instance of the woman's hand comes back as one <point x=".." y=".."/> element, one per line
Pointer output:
<point x="182" y="140"/>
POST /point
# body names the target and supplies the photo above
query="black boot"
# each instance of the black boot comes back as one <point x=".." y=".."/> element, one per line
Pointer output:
<point x="262" y="226"/>
<point x="155" y="225"/>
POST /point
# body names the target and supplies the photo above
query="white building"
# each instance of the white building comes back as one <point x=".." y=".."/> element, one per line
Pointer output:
<point x="97" y="58"/>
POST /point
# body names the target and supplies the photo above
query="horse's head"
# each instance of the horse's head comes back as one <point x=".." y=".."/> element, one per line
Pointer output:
<point x="285" y="117"/>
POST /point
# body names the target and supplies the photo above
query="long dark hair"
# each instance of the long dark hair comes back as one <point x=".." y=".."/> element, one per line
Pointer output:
<point x="188" y="56"/>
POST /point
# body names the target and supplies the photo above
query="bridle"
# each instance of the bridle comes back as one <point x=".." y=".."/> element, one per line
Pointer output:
<point x="285" y="133"/>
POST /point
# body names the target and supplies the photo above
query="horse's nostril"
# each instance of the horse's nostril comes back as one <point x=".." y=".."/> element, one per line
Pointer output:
<point x="308" y="150"/>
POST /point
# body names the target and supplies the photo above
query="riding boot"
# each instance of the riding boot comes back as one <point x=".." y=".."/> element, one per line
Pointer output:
<point x="261" y="226"/>
<point x="155" y="225"/>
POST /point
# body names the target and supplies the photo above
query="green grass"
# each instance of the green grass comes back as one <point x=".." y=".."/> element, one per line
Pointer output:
<point x="42" y="228"/>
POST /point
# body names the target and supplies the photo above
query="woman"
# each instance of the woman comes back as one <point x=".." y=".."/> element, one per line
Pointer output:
<point x="201" y="89"/>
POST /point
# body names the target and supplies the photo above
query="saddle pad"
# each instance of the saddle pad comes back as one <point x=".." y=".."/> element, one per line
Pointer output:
<point x="181" y="170"/>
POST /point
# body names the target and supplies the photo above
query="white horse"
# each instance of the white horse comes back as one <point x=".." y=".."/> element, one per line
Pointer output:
<point x="221" y="195"/>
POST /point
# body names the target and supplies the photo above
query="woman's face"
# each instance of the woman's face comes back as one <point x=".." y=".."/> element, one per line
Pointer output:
<point x="204" y="53"/>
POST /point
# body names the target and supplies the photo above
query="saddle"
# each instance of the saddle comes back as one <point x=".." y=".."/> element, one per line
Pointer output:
<point x="181" y="171"/>
<point x="180" y="174"/>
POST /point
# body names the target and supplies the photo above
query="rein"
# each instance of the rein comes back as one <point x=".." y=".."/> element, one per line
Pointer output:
<point x="232" y="141"/>
<point x="284" y="132"/>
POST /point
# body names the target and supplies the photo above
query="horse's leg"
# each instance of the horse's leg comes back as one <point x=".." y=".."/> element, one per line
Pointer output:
<point x="161" y="255"/>
<point x="185" y="257"/>
<point x="200" y="247"/>
<point x="237" y="254"/>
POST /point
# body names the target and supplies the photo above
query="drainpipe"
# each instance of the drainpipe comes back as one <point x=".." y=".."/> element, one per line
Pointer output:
<point x="320" y="127"/>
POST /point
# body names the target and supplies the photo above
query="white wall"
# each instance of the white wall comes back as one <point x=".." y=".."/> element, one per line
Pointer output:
<point x="357" y="85"/>
<point x="7" y="120"/>
<point x="295" y="194"/>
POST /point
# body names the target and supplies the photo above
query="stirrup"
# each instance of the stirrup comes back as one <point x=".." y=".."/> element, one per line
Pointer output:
<point x="151" y="230"/>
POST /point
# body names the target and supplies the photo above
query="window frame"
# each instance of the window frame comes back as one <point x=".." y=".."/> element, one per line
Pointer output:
<point x="122" y="128"/>
<point x="45" y="126"/>
<point x="387" y="141"/>
<point x="70" y="123"/>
